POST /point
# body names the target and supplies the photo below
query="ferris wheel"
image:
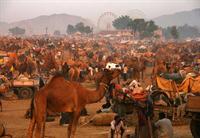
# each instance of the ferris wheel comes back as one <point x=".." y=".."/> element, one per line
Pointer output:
<point x="136" y="14"/>
<point x="105" y="21"/>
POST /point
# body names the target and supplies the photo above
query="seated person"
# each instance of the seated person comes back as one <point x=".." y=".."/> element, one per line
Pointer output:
<point x="117" y="127"/>
<point x="164" y="128"/>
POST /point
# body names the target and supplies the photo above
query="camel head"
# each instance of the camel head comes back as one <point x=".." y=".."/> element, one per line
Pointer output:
<point x="109" y="75"/>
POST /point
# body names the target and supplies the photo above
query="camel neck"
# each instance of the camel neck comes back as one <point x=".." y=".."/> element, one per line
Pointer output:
<point x="98" y="94"/>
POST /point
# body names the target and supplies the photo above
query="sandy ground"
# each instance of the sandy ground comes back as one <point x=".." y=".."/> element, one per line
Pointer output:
<point x="13" y="118"/>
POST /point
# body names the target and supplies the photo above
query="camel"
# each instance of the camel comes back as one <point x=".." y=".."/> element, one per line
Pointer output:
<point x="74" y="73"/>
<point x="158" y="68"/>
<point x="60" y="95"/>
<point x="138" y="66"/>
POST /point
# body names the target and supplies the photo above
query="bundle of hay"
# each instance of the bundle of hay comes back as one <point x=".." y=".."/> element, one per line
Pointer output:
<point x="103" y="119"/>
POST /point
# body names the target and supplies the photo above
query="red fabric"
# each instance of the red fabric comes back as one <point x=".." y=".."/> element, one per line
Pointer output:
<point x="118" y="87"/>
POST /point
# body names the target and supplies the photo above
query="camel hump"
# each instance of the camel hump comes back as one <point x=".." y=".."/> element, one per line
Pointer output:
<point x="57" y="75"/>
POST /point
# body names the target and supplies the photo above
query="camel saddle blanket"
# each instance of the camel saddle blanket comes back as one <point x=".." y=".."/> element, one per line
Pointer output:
<point x="189" y="84"/>
<point x="137" y="94"/>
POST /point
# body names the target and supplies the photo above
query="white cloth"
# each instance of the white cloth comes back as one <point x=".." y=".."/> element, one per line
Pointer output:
<point x="165" y="129"/>
<point x="91" y="71"/>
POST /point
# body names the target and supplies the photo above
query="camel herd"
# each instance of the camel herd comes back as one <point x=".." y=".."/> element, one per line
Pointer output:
<point x="84" y="59"/>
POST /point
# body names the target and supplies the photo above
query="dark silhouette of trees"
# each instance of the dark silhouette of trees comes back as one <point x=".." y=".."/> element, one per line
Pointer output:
<point x="174" y="32"/>
<point x="144" y="28"/>
<point x="79" y="27"/>
<point x="181" y="32"/>
<point x="17" y="31"/>
<point x="70" y="29"/>
<point x="122" y="22"/>
<point x="56" y="32"/>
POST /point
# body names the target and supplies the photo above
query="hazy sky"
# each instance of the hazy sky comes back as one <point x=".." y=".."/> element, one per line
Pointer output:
<point x="15" y="10"/>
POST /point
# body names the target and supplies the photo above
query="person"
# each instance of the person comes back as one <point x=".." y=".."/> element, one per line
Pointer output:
<point x="41" y="82"/>
<point x="117" y="127"/>
<point x="164" y="127"/>
<point x="108" y="95"/>
<point x="125" y="71"/>
<point x="65" y="69"/>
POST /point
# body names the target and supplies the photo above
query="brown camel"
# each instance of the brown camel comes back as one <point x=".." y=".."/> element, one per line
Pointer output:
<point x="74" y="73"/>
<point x="138" y="65"/>
<point x="65" y="96"/>
<point x="158" y="68"/>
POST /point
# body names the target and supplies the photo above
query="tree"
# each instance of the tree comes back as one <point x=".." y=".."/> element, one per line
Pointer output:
<point x="70" y="29"/>
<point x="150" y="27"/>
<point x="174" y="32"/>
<point x="17" y="31"/>
<point x="183" y="32"/>
<point x="56" y="32"/>
<point x="140" y="24"/>
<point x="88" y="29"/>
<point x="186" y="31"/>
<point x="122" y="22"/>
<point x="137" y="25"/>
<point x="80" y="27"/>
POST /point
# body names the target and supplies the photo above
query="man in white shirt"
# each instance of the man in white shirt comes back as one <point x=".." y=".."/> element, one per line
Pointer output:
<point x="164" y="127"/>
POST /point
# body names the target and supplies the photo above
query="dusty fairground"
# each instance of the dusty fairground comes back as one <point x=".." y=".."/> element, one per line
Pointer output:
<point x="13" y="118"/>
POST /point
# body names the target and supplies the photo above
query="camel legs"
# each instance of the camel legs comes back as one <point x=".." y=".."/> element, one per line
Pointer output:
<point x="70" y="126"/>
<point x="31" y="127"/>
<point x="40" y="117"/>
<point x="40" y="126"/>
<point x="73" y="124"/>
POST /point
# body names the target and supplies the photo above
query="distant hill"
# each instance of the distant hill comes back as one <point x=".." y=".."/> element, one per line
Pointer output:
<point x="191" y="18"/>
<point x="52" y="22"/>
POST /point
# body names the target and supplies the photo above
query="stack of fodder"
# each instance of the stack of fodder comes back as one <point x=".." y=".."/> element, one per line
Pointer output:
<point x="103" y="119"/>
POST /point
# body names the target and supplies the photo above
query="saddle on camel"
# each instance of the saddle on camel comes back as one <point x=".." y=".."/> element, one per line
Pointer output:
<point x="60" y="95"/>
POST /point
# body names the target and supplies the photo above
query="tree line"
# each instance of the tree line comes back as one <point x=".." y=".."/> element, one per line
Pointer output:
<point x="145" y="29"/>
<point x="140" y="26"/>
<point x="79" y="27"/>
<point x="181" y="32"/>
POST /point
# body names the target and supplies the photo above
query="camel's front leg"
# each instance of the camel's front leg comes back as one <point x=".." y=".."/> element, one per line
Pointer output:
<point x="31" y="127"/>
<point x="76" y="116"/>
<point x="40" y="119"/>
<point x="70" y="127"/>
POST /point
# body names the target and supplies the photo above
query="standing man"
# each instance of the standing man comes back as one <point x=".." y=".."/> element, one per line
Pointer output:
<point x="125" y="71"/>
<point x="65" y="69"/>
